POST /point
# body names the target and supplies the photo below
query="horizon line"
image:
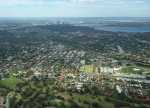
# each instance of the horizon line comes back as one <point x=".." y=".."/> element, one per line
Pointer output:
<point x="75" y="17"/>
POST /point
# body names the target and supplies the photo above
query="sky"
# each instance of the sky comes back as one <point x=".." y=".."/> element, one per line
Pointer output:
<point x="74" y="8"/>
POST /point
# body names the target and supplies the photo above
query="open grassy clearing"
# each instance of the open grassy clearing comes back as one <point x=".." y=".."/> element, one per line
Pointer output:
<point x="135" y="70"/>
<point x="88" y="68"/>
<point x="10" y="82"/>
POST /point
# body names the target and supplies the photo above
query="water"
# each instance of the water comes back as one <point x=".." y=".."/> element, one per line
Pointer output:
<point x="125" y="29"/>
<point x="118" y="24"/>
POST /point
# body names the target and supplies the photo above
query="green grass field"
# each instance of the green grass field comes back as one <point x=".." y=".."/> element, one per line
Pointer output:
<point x="87" y="68"/>
<point x="135" y="70"/>
<point x="10" y="82"/>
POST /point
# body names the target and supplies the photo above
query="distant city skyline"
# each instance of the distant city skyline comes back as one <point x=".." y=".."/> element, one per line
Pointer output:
<point x="74" y="8"/>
